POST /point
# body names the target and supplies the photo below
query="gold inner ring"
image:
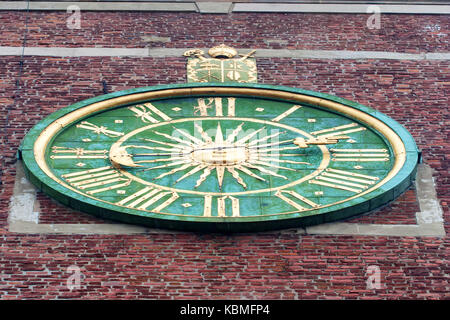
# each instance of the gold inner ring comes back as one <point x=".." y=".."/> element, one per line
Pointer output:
<point x="322" y="166"/>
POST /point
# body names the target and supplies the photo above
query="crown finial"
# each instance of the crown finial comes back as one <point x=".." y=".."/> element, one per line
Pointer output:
<point x="222" y="51"/>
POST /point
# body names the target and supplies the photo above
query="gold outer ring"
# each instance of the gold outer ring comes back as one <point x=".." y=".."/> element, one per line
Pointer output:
<point x="41" y="143"/>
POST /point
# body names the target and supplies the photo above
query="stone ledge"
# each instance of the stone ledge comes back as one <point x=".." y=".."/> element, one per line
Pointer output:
<point x="178" y="52"/>
<point x="339" y="8"/>
<point x="214" y="7"/>
<point x="227" y="7"/>
<point x="360" y="229"/>
<point x="73" y="228"/>
<point x="99" y="6"/>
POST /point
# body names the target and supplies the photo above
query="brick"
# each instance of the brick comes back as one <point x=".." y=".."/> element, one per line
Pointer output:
<point x="278" y="265"/>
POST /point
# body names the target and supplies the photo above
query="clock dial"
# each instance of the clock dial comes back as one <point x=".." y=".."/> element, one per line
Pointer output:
<point x="224" y="158"/>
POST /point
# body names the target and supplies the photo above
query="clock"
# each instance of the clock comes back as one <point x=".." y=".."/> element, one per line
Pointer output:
<point x="220" y="157"/>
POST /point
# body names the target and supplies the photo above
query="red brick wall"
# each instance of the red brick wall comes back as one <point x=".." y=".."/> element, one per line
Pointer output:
<point x="278" y="265"/>
<point x="398" y="33"/>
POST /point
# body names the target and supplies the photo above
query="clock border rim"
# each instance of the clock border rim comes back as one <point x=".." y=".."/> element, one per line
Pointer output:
<point x="405" y="174"/>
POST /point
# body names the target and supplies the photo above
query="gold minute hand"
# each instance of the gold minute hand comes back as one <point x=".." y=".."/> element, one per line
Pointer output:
<point x="302" y="143"/>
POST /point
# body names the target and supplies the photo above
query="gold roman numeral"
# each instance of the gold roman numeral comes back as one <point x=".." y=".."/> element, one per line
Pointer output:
<point x="344" y="180"/>
<point x="339" y="130"/>
<point x="105" y="177"/>
<point x="204" y="104"/>
<point x="359" y="155"/>
<point x="99" y="129"/>
<point x="301" y="207"/>
<point x="148" y="113"/>
<point x="146" y="197"/>
<point x="77" y="153"/>
<point x="221" y="206"/>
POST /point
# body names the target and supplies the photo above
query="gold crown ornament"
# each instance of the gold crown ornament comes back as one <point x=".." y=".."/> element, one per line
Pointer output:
<point x="222" y="51"/>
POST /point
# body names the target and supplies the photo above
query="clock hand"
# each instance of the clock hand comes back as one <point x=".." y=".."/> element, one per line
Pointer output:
<point x="119" y="156"/>
<point x="187" y="153"/>
<point x="218" y="148"/>
<point x="302" y="143"/>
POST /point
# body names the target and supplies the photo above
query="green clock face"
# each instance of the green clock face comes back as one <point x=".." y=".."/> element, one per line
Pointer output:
<point x="220" y="157"/>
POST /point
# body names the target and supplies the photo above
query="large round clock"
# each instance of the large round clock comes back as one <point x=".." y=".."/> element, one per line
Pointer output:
<point x="220" y="157"/>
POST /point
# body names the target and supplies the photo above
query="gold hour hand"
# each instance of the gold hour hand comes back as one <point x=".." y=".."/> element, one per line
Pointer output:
<point x="303" y="143"/>
<point x="120" y="157"/>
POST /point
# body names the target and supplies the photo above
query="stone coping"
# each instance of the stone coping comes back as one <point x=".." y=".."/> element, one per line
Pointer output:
<point x="225" y="7"/>
<point x="178" y="52"/>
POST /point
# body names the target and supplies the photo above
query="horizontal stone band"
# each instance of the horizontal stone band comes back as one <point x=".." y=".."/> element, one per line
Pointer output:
<point x="226" y="7"/>
<point x="178" y="52"/>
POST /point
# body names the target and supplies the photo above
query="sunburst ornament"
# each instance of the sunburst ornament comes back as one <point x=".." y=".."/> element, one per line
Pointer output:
<point x="237" y="154"/>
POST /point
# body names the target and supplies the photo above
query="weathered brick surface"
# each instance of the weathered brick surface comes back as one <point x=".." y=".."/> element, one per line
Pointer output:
<point x="52" y="211"/>
<point x="401" y="211"/>
<point x="398" y="33"/>
<point x="196" y="266"/>
<point x="279" y="265"/>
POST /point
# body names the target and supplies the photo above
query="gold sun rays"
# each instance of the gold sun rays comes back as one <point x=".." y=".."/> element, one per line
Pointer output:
<point x="241" y="157"/>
